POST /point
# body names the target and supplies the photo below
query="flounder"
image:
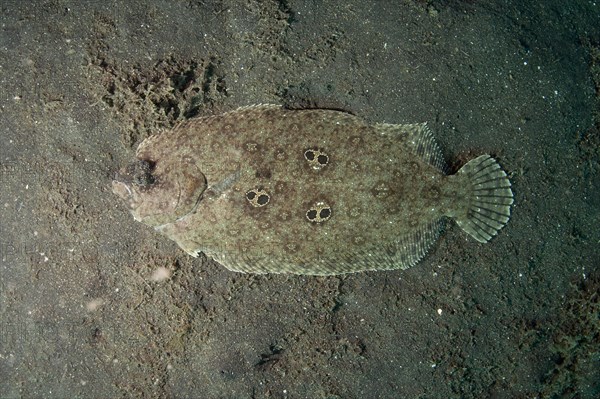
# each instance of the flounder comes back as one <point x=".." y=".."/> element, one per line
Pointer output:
<point x="265" y="189"/>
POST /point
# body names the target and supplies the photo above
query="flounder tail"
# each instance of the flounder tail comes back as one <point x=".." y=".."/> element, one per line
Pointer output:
<point x="490" y="198"/>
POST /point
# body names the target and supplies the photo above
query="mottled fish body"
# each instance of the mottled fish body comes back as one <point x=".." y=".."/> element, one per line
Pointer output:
<point x="264" y="189"/>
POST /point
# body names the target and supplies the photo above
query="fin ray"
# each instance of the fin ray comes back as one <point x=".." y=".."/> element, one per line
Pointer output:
<point x="420" y="140"/>
<point x="490" y="200"/>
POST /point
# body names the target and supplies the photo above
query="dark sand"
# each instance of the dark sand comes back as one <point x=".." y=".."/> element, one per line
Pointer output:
<point x="83" y="82"/>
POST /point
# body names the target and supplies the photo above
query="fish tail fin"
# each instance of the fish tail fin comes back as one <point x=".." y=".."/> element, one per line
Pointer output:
<point x="489" y="198"/>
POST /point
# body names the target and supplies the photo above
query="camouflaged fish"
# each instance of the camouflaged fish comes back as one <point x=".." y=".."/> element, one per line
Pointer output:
<point x="264" y="189"/>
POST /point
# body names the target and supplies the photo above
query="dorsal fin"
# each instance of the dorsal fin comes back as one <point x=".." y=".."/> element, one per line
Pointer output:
<point x="420" y="140"/>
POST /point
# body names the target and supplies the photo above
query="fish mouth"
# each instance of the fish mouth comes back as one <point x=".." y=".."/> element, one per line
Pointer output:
<point x="123" y="191"/>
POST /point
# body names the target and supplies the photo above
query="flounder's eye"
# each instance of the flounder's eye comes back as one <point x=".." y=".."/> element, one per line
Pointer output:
<point x="138" y="173"/>
<point x="142" y="173"/>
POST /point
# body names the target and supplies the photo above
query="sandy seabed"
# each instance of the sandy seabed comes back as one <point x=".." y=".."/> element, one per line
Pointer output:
<point x="81" y="312"/>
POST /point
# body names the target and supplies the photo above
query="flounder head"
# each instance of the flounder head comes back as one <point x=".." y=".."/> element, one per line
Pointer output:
<point x="159" y="192"/>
